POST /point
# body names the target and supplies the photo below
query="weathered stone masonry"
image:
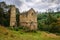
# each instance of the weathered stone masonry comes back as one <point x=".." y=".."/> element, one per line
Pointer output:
<point x="29" y="19"/>
<point x="26" y="19"/>
<point x="12" y="16"/>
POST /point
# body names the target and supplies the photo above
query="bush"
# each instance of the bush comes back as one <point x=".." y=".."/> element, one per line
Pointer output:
<point x="53" y="27"/>
<point x="12" y="35"/>
<point x="6" y="33"/>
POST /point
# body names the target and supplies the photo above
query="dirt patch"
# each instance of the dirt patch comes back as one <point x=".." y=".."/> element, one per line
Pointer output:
<point x="51" y="35"/>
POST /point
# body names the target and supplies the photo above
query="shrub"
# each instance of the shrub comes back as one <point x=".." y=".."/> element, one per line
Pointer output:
<point x="6" y="33"/>
<point x="12" y="35"/>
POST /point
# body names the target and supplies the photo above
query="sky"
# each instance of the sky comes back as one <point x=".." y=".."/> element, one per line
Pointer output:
<point x="37" y="5"/>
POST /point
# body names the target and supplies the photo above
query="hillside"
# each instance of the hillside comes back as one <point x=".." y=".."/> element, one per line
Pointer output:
<point x="7" y="34"/>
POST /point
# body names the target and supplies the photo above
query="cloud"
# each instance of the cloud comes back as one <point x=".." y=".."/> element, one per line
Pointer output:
<point x="38" y="5"/>
<point x="0" y="0"/>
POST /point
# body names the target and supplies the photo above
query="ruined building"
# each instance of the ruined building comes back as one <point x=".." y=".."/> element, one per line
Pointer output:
<point x="29" y="19"/>
<point x="26" y="19"/>
<point x="12" y="16"/>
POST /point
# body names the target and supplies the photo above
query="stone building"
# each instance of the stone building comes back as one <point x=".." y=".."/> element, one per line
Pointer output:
<point x="28" y="19"/>
<point x="12" y="16"/>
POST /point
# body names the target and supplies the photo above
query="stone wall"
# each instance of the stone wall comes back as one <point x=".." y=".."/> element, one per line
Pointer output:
<point x="12" y="16"/>
<point x="26" y="19"/>
<point x="29" y="19"/>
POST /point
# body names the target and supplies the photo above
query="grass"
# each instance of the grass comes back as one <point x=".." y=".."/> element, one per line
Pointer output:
<point x="7" y="34"/>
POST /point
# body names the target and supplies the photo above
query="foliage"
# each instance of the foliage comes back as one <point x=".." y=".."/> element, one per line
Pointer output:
<point x="48" y="21"/>
<point x="4" y="14"/>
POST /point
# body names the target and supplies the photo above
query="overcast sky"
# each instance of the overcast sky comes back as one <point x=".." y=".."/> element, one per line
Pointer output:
<point x="38" y="5"/>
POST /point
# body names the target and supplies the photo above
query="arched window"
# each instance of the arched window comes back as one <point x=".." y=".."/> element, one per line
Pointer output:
<point x="32" y="13"/>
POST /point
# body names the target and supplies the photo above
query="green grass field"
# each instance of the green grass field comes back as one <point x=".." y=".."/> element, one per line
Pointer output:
<point x="7" y="34"/>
